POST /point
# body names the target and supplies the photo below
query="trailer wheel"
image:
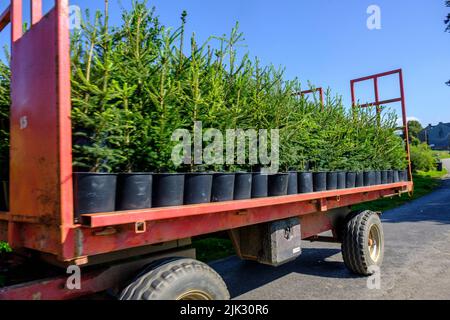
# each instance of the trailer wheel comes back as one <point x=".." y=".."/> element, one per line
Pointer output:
<point x="177" y="279"/>
<point x="363" y="242"/>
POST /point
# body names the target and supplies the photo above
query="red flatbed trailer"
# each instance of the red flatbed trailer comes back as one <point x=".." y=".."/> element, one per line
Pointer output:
<point x="41" y="216"/>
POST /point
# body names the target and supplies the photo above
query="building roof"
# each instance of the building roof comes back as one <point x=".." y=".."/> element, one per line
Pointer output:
<point x="437" y="125"/>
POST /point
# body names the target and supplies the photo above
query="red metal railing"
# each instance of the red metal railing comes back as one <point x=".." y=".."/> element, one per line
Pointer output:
<point x="313" y="91"/>
<point x="106" y="219"/>
<point x="379" y="103"/>
<point x="5" y="18"/>
<point x="14" y="13"/>
<point x="40" y="128"/>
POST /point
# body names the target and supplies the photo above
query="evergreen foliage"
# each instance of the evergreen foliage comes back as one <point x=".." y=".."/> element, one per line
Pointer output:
<point x="4" y="118"/>
<point x="133" y="85"/>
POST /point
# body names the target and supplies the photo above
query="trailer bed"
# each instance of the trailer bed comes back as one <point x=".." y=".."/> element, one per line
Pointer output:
<point x="104" y="233"/>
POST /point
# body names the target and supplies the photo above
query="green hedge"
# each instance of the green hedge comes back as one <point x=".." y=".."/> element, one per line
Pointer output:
<point x="422" y="158"/>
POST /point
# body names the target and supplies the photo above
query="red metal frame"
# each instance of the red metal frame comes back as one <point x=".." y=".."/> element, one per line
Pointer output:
<point x="377" y="103"/>
<point x="312" y="91"/>
<point x="41" y="143"/>
<point x="5" y="18"/>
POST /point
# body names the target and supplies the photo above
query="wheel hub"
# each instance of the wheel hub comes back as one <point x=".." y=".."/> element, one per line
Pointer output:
<point x="374" y="243"/>
<point x="195" y="295"/>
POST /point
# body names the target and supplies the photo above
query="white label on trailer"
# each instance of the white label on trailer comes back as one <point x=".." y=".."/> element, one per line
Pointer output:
<point x="296" y="250"/>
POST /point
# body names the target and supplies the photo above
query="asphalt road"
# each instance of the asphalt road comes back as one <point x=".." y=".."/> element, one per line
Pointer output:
<point x="416" y="263"/>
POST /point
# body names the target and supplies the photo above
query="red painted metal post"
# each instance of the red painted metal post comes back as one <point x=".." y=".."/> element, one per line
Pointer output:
<point x="16" y="21"/>
<point x="5" y="18"/>
<point x="405" y="123"/>
<point x="42" y="203"/>
<point x="377" y="100"/>
<point x="36" y="11"/>
<point x="379" y="103"/>
<point x="377" y="96"/>
<point x="65" y="129"/>
<point x="352" y="88"/>
<point x="320" y="90"/>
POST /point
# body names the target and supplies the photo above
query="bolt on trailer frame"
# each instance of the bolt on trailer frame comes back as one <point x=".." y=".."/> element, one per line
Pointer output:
<point x="41" y="215"/>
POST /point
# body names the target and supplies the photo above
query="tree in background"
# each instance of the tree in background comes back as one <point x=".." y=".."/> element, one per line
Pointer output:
<point x="414" y="128"/>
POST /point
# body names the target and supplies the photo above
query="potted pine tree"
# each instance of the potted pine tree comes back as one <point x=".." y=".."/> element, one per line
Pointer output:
<point x="4" y="135"/>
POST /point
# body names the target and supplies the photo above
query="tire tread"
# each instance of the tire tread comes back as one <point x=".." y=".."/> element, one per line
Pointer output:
<point x="157" y="276"/>
<point x="354" y="243"/>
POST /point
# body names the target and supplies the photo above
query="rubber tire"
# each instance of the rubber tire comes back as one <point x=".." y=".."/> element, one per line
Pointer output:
<point x="168" y="279"/>
<point x="355" y="249"/>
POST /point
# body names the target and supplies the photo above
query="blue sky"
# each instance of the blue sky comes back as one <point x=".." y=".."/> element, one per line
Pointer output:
<point x="328" y="43"/>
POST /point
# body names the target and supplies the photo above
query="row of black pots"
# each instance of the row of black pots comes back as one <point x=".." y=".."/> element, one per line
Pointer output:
<point x="323" y="181"/>
<point x="96" y="192"/>
<point x="99" y="192"/>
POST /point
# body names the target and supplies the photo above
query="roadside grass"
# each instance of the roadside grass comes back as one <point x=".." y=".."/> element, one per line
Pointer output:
<point x="219" y="246"/>
<point x="442" y="154"/>
<point x="424" y="183"/>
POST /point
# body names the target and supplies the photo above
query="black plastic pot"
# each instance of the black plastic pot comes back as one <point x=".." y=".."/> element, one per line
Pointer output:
<point x="223" y="187"/>
<point x="94" y="192"/>
<point x="260" y="186"/>
<point x="369" y="178"/>
<point x="404" y="175"/>
<point x="293" y="183"/>
<point x="197" y="188"/>
<point x="384" y="177"/>
<point x="4" y="195"/>
<point x="342" y="180"/>
<point x="168" y="189"/>
<point x="278" y="184"/>
<point x="332" y="180"/>
<point x="359" y="179"/>
<point x="396" y="176"/>
<point x="134" y="191"/>
<point x="390" y="176"/>
<point x="243" y="186"/>
<point x="305" y="182"/>
<point x="350" y="180"/>
<point x="378" y="177"/>
<point x="320" y="181"/>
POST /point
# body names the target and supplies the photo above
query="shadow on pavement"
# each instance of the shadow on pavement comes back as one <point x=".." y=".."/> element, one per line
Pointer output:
<point x="244" y="276"/>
